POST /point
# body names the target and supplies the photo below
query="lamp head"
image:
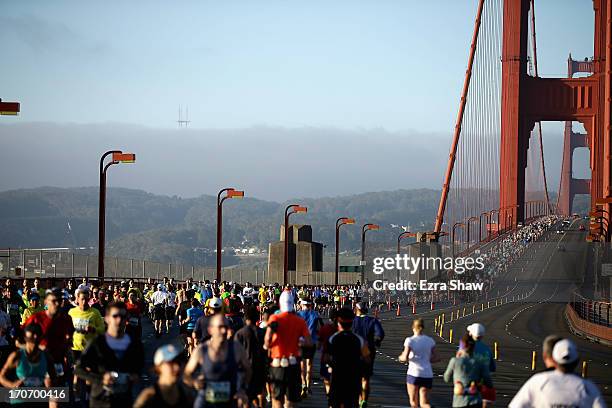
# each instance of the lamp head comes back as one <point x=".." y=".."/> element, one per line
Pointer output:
<point x="235" y="194"/>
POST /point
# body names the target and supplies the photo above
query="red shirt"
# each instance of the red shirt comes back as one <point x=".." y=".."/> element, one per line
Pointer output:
<point x="325" y="332"/>
<point x="57" y="333"/>
<point x="133" y="309"/>
<point x="290" y="327"/>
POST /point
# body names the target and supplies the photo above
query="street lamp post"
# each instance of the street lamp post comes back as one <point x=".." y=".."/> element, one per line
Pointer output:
<point x="455" y="225"/>
<point x="486" y="214"/>
<point x="339" y="222"/>
<point x="491" y="219"/>
<point x="291" y="209"/>
<point x="468" y="230"/>
<point x="366" y="227"/>
<point x="405" y="234"/>
<point x="231" y="193"/>
<point x="117" y="157"/>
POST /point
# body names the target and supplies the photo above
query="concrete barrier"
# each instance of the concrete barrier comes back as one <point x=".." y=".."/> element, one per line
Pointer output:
<point x="592" y="331"/>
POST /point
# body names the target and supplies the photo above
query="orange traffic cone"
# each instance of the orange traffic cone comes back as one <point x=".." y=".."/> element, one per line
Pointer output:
<point x="398" y="311"/>
<point x="389" y="304"/>
<point x="414" y="308"/>
<point x="433" y="306"/>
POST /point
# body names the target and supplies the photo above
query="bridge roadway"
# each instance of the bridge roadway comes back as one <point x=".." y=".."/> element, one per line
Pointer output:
<point x="544" y="274"/>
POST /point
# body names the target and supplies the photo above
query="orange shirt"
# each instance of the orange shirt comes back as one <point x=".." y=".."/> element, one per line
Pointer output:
<point x="290" y="327"/>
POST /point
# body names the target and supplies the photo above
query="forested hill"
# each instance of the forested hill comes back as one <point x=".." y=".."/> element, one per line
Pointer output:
<point x="144" y="225"/>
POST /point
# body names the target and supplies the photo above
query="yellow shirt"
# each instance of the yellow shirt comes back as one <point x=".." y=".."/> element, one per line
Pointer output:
<point x="29" y="311"/>
<point x="81" y="320"/>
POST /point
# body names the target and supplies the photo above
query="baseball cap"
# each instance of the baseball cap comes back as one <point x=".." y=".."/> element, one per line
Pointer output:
<point x="285" y="302"/>
<point x="160" y="286"/>
<point x="361" y="306"/>
<point x="165" y="354"/>
<point x="565" y="352"/>
<point x="476" y="330"/>
<point x="215" y="303"/>
<point x="306" y="301"/>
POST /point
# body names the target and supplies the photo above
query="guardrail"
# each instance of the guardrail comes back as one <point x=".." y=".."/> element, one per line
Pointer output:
<point x="59" y="264"/>
<point x="590" y="318"/>
<point x="31" y="263"/>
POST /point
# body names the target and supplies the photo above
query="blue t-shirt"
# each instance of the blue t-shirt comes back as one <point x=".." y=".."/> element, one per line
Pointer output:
<point x="193" y="313"/>
<point x="312" y="322"/>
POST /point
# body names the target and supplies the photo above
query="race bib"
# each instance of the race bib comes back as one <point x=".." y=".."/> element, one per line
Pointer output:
<point x="80" y="325"/>
<point x="32" y="382"/>
<point x="217" y="391"/>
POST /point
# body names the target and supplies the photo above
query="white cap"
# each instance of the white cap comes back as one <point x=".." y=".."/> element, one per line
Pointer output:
<point x="476" y="330"/>
<point x="565" y="352"/>
<point x="285" y="302"/>
<point x="165" y="354"/>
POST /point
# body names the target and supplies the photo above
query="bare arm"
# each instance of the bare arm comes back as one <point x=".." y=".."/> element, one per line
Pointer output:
<point x="10" y="365"/>
<point x="404" y="356"/>
<point x="435" y="357"/>
<point x="268" y="338"/>
<point x="191" y="367"/>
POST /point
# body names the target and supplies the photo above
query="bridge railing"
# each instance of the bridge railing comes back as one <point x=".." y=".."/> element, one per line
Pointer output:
<point x="592" y="311"/>
<point x="61" y="264"/>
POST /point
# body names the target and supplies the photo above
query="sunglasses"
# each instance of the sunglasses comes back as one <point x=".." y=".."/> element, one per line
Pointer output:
<point x="121" y="315"/>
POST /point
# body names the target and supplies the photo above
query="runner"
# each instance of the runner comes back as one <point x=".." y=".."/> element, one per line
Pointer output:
<point x="170" y="307"/>
<point x="200" y="333"/>
<point x="233" y="309"/>
<point x="34" y="306"/>
<point x="5" y="338"/>
<point x="559" y="387"/>
<point x="181" y="312"/>
<point x="192" y="315"/>
<point x="159" y="299"/>
<point x="326" y="331"/>
<point x="285" y="333"/>
<point x="345" y="355"/>
<point x="29" y="366"/>
<point x="57" y="330"/>
<point x="134" y="315"/>
<point x="420" y="352"/>
<point x="313" y="321"/>
<point x="466" y="372"/>
<point x="483" y="353"/>
<point x="87" y="323"/>
<point x="251" y="338"/>
<point x="112" y="362"/>
<point x="219" y="369"/>
<point x="14" y="305"/>
<point x="248" y="294"/>
<point x="547" y="347"/>
<point x="372" y="331"/>
<point x="168" y="391"/>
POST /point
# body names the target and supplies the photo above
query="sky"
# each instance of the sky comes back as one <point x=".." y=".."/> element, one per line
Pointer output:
<point x="391" y="67"/>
